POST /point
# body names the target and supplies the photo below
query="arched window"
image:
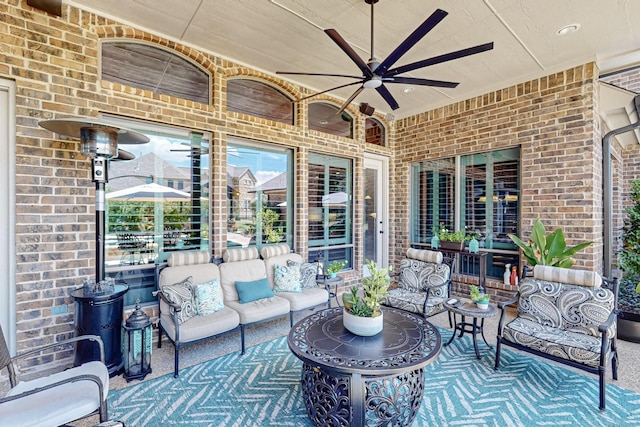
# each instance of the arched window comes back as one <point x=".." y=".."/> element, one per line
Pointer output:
<point x="323" y="117"/>
<point x="374" y="132"/>
<point x="151" y="68"/>
<point x="259" y="99"/>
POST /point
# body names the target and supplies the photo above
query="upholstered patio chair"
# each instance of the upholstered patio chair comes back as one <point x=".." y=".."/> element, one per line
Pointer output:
<point x="56" y="399"/>
<point x="424" y="283"/>
<point x="566" y="316"/>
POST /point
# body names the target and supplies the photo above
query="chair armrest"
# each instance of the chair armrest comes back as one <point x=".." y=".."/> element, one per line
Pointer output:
<point x="428" y="292"/>
<point x="503" y="311"/>
<point x="95" y="338"/>
<point x="510" y="301"/>
<point x="176" y="307"/>
<point x="83" y="377"/>
<point x="605" y="328"/>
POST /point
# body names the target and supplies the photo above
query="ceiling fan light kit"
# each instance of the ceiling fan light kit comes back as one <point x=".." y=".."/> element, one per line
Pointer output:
<point x="376" y="74"/>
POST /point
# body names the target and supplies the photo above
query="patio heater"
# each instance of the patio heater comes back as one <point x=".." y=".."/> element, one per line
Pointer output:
<point x="99" y="141"/>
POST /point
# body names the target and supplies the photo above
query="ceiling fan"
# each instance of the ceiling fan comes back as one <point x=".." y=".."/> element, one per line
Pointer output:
<point x="376" y="74"/>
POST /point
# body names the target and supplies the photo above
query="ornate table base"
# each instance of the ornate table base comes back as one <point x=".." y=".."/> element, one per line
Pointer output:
<point x="335" y="399"/>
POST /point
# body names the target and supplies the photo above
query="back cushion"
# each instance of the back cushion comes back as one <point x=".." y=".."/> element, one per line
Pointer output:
<point x="571" y="307"/>
<point x="239" y="271"/>
<point x="416" y="275"/>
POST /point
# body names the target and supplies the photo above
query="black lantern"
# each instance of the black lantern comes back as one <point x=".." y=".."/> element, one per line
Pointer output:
<point x="137" y="344"/>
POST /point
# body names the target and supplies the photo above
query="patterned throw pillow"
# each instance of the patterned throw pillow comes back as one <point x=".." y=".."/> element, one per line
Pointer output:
<point x="208" y="297"/>
<point x="181" y="293"/>
<point x="308" y="272"/>
<point x="287" y="279"/>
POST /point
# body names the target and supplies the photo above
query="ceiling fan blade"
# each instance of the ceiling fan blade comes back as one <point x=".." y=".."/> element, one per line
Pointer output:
<point x="384" y="92"/>
<point x="439" y="59"/>
<point x="342" y="44"/>
<point x="329" y="90"/>
<point x="318" y="74"/>
<point x="351" y="98"/>
<point x="420" y="82"/>
<point x="413" y="38"/>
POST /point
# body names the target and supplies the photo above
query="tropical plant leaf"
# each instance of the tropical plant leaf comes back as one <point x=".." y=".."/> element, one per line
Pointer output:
<point x="555" y="246"/>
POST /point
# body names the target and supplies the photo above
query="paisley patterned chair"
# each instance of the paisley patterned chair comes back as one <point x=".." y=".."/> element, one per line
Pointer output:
<point x="566" y="316"/>
<point x="424" y="283"/>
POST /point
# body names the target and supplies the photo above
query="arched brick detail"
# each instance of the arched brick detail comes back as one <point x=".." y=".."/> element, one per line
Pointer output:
<point x="289" y="89"/>
<point x="119" y="32"/>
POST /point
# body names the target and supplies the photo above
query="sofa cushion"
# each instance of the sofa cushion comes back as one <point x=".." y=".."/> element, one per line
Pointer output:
<point x="567" y="275"/>
<point x="261" y="309"/>
<point x="287" y="278"/>
<point x="244" y="254"/>
<point x="253" y="290"/>
<point x="181" y="293"/>
<point x="570" y="345"/>
<point x="308" y="273"/>
<point x="416" y="275"/>
<point x="308" y="297"/>
<point x="199" y="327"/>
<point x="244" y="271"/>
<point x="271" y="251"/>
<point x="188" y="258"/>
<point x="208" y="297"/>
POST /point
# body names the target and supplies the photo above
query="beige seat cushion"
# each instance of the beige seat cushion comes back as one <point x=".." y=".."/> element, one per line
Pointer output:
<point x="199" y="327"/>
<point x="309" y="297"/>
<point x="262" y="309"/>
<point x="59" y="405"/>
<point x="239" y="271"/>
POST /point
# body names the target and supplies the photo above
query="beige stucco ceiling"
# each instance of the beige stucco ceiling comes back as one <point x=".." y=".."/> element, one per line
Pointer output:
<point x="287" y="35"/>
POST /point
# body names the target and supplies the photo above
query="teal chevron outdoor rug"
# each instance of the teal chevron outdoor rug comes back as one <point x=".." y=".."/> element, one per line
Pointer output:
<point x="262" y="388"/>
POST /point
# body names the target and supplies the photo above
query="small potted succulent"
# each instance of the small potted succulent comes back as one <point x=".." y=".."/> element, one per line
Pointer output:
<point x="481" y="299"/>
<point x="362" y="314"/>
<point x="334" y="267"/>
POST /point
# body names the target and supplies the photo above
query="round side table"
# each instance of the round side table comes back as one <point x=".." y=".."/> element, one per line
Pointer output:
<point x="466" y="308"/>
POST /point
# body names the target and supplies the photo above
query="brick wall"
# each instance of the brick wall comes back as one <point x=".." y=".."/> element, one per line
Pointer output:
<point x="553" y="121"/>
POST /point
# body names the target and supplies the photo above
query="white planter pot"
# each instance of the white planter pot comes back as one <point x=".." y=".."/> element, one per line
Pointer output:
<point x="482" y="306"/>
<point x="363" y="326"/>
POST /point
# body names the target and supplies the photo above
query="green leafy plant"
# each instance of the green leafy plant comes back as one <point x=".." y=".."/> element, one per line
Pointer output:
<point x="447" y="235"/>
<point x="374" y="288"/>
<point x="477" y="296"/>
<point x="629" y="257"/>
<point x="548" y="249"/>
<point x="336" y="266"/>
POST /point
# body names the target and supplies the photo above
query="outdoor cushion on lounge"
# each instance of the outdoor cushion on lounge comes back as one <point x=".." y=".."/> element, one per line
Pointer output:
<point x="307" y="297"/>
<point x="179" y="319"/>
<point x="56" y="399"/>
<point x="243" y="265"/>
<point x="424" y="283"/>
<point x="571" y="323"/>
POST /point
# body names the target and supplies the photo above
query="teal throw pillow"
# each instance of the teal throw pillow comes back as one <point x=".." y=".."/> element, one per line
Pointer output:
<point x="254" y="290"/>
<point x="208" y="297"/>
<point x="287" y="279"/>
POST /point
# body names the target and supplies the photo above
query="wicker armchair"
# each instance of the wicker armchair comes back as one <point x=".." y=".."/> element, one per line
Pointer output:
<point x="59" y="398"/>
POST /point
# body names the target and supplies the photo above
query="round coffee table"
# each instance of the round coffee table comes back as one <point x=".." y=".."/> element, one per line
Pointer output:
<point x="352" y="380"/>
<point x="469" y="308"/>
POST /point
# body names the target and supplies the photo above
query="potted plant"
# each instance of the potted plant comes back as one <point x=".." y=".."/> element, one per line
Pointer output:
<point x="481" y="299"/>
<point x="629" y="262"/>
<point x="334" y="267"/>
<point x="362" y="314"/>
<point x="547" y="249"/>
<point x="450" y="240"/>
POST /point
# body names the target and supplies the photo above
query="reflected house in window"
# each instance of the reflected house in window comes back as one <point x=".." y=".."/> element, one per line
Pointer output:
<point x="145" y="168"/>
<point x="240" y="192"/>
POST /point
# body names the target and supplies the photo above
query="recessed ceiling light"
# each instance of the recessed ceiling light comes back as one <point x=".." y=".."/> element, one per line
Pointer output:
<point x="324" y="122"/>
<point x="568" y="29"/>
<point x="408" y="89"/>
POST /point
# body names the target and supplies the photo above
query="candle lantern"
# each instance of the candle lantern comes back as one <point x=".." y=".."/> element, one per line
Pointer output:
<point x="137" y="344"/>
